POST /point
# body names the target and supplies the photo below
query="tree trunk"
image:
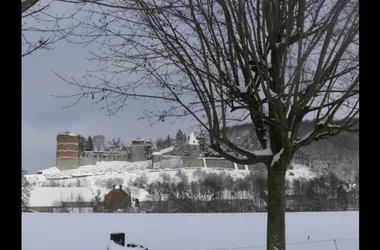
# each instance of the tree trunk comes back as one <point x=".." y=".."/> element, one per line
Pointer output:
<point x="276" y="209"/>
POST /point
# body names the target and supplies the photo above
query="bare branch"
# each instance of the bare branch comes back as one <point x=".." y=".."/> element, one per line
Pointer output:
<point x="275" y="61"/>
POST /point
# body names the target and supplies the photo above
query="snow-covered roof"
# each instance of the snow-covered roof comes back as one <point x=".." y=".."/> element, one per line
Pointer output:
<point x="192" y="139"/>
<point x="67" y="133"/>
<point x="47" y="196"/>
<point x="118" y="186"/>
<point x="113" y="246"/>
<point x="139" y="193"/>
<point x="156" y="153"/>
<point x="51" y="170"/>
<point x="167" y="150"/>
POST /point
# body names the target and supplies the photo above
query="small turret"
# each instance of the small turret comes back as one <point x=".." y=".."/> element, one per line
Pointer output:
<point x="192" y="147"/>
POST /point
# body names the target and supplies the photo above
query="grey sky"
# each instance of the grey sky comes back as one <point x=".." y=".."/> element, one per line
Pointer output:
<point x="42" y="114"/>
<point x="43" y="117"/>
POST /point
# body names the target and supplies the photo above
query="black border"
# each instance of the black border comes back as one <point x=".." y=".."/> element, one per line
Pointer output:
<point x="368" y="116"/>
<point x="367" y="138"/>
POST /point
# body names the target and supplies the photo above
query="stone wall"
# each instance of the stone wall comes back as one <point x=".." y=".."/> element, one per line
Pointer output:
<point x="201" y="162"/>
<point x="91" y="158"/>
<point x="138" y="153"/>
<point x="67" y="163"/>
<point x="219" y="163"/>
<point x="190" y="162"/>
<point x="258" y="166"/>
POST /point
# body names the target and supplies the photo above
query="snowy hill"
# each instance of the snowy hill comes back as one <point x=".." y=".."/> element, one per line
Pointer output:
<point x="105" y="174"/>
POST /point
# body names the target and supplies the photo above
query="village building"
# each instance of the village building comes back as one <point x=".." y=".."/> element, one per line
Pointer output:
<point x="117" y="198"/>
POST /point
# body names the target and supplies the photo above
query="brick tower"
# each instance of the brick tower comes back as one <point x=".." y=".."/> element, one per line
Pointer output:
<point x="67" y="151"/>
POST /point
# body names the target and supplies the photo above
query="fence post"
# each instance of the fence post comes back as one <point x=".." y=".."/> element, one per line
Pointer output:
<point x="336" y="246"/>
<point x="118" y="238"/>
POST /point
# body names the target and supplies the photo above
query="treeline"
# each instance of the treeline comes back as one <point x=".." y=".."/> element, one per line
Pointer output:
<point x="221" y="193"/>
<point x="178" y="142"/>
<point x="98" y="143"/>
<point x="211" y="192"/>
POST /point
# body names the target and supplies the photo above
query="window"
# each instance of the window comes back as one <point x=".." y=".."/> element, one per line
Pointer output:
<point x="64" y="147"/>
<point x="76" y="147"/>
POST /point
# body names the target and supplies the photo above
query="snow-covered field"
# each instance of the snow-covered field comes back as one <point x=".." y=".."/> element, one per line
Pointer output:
<point x="44" y="231"/>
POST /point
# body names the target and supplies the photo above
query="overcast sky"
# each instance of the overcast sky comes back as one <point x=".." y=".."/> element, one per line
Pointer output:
<point x="43" y="117"/>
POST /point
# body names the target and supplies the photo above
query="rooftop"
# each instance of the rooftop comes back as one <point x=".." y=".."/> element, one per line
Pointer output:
<point x="67" y="133"/>
<point x="192" y="140"/>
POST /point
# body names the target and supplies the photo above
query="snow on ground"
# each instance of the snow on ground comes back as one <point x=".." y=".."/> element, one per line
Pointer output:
<point x="169" y="162"/>
<point x="51" y="170"/>
<point x="46" y="196"/>
<point x="44" y="231"/>
<point x="97" y="177"/>
<point x="300" y="171"/>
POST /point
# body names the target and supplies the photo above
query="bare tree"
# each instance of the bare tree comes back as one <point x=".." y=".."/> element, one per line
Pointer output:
<point x="79" y="203"/>
<point x="97" y="203"/>
<point x="98" y="142"/>
<point x="40" y="28"/>
<point x="224" y="62"/>
<point x="114" y="145"/>
<point x="27" y="4"/>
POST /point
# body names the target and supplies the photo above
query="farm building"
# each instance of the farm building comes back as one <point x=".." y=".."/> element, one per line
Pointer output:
<point x="117" y="198"/>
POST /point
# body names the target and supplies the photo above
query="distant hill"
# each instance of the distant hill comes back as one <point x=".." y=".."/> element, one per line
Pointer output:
<point x="340" y="153"/>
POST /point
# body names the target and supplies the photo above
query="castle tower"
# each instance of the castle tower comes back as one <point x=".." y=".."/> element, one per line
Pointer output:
<point x="141" y="150"/>
<point x="193" y="147"/>
<point x="156" y="158"/>
<point x="67" y="151"/>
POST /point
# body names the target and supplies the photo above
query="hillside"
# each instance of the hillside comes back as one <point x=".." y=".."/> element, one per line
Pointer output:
<point x="105" y="174"/>
<point x="339" y="154"/>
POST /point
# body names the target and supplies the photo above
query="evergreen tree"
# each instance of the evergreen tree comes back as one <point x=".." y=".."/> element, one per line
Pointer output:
<point x="89" y="144"/>
<point x="160" y="144"/>
<point x="180" y="142"/>
<point x="179" y="137"/>
<point x="82" y="144"/>
<point x="168" y="141"/>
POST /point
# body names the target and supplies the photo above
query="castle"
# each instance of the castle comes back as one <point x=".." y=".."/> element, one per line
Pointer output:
<point x="71" y="155"/>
